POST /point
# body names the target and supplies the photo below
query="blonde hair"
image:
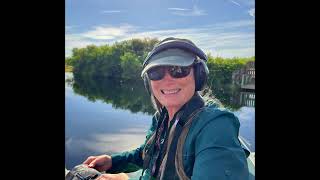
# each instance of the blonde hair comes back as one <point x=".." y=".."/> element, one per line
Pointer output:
<point x="156" y="104"/>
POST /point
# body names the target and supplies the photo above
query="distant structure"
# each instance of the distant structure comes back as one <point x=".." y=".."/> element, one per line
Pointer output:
<point x="245" y="77"/>
<point x="247" y="99"/>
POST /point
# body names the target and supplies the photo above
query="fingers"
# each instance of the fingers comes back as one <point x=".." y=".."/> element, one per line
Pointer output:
<point x="105" y="177"/>
<point x="89" y="160"/>
<point x="120" y="176"/>
<point x="93" y="163"/>
<point x="124" y="175"/>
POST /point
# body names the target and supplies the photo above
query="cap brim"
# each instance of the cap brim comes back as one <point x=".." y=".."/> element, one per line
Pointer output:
<point x="185" y="59"/>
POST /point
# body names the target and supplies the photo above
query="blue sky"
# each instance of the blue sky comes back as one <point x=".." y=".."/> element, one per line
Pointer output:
<point x="225" y="28"/>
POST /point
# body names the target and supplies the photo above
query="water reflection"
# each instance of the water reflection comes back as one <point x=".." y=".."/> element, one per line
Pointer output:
<point x="94" y="128"/>
<point x="247" y="99"/>
<point x="130" y="94"/>
<point x="246" y="116"/>
<point x="105" y="116"/>
<point x="121" y="93"/>
<point x="243" y="98"/>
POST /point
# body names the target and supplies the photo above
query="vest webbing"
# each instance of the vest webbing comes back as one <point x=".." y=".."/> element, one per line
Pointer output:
<point x="168" y="165"/>
<point x="172" y="163"/>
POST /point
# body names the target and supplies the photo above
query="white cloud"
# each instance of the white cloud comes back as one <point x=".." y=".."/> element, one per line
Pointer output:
<point x="247" y="2"/>
<point x="108" y="32"/>
<point x="111" y="11"/>
<point x="69" y="28"/>
<point x="78" y="41"/>
<point x="235" y="52"/>
<point x="98" y="36"/>
<point x="178" y="9"/>
<point x="252" y="12"/>
<point x="198" y="12"/>
<point x="232" y="25"/>
<point x="195" y="11"/>
<point x="234" y="2"/>
<point x="222" y="39"/>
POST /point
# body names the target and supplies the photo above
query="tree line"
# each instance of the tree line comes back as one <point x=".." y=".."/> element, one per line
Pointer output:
<point x="123" y="60"/>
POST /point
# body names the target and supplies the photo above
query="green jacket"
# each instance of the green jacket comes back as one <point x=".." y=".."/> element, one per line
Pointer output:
<point x="211" y="150"/>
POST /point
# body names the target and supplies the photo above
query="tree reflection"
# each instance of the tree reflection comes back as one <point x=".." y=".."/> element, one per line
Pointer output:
<point x="121" y="93"/>
<point x="131" y="95"/>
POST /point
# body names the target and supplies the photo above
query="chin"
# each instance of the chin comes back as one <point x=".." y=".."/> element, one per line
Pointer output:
<point x="171" y="104"/>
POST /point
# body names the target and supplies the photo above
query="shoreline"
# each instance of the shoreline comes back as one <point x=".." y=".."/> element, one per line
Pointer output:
<point x="68" y="68"/>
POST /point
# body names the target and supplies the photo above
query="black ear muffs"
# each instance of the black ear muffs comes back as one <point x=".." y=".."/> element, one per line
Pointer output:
<point x="201" y="72"/>
<point x="146" y="83"/>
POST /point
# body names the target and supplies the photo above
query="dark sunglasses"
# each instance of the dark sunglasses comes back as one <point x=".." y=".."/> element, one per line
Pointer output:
<point x="157" y="73"/>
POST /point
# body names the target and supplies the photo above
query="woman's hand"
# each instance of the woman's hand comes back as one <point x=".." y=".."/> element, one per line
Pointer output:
<point x="100" y="163"/>
<point x="120" y="176"/>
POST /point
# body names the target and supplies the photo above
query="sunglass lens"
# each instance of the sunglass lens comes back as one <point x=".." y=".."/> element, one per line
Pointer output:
<point x="179" y="72"/>
<point x="156" y="73"/>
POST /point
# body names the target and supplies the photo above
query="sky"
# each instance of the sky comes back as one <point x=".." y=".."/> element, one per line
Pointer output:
<point x="224" y="28"/>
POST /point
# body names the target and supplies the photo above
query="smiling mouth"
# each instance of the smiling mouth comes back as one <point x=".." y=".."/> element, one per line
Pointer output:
<point x="170" y="91"/>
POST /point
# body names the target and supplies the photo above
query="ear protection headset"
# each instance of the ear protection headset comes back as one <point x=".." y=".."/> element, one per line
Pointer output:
<point x="201" y="70"/>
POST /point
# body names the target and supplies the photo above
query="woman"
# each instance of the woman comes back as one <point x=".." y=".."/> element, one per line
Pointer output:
<point x="188" y="138"/>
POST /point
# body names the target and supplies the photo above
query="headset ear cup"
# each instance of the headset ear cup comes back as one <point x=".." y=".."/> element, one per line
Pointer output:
<point x="204" y="77"/>
<point x="196" y="76"/>
<point x="200" y="75"/>
<point x="146" y="83"/>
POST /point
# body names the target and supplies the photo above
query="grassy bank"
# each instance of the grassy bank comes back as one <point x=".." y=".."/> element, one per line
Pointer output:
<point x="68" y="68"/>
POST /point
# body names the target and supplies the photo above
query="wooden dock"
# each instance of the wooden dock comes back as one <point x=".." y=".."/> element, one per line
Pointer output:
<point x="245" y="77"/>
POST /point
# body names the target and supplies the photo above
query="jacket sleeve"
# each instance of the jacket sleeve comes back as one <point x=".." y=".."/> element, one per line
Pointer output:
<point x="130" y="161"/>
<point x="218" y="151"/>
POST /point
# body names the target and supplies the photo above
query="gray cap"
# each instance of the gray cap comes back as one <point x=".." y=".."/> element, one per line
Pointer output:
<point x="170" y="57"/>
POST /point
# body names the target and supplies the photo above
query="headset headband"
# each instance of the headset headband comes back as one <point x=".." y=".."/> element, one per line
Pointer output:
<point x="171" y="43"/>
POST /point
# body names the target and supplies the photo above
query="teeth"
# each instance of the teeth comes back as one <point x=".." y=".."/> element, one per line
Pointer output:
<point x="171" y="91"/>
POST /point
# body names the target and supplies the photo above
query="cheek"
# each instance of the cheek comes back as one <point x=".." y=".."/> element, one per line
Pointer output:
<point x="189" y="86"/>
<point x="155" y="88"/>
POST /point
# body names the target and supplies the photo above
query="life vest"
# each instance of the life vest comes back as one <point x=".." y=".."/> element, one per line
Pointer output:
<point x="172" y="162"/>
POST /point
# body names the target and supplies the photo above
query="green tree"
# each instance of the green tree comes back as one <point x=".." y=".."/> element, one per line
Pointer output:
<point x="130" y="65"/>
<point x="122" y="62"/>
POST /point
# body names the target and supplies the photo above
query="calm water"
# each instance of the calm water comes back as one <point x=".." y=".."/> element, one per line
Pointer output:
<point x="99" y="122"/>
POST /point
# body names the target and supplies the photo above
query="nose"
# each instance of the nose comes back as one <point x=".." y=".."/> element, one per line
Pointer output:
<point x="167" y="76"/>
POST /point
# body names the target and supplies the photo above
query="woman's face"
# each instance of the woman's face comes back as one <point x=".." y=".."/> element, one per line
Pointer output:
<point x="174" y="92"/>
